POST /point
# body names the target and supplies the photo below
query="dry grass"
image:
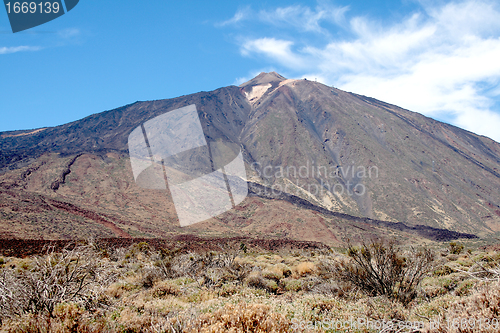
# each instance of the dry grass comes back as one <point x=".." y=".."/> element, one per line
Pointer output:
<point x="305" y="268"/>
<point x="241" y="317"/>
<point x="478" y="312"/>
<point x="142" y="290"/>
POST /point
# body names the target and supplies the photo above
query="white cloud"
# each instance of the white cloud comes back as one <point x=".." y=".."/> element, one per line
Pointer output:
<point x="305" y="18"/>
<point x="14" y="49"/>
<point x="442" y="61"/>
<point x="239" y="16"/>
<point x="69" y="33"/>
<point x="277" y="49"/>
<point x="300" y="17"/>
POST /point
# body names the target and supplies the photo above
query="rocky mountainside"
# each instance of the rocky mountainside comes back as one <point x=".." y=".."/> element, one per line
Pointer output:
<point x="341" y="152"/>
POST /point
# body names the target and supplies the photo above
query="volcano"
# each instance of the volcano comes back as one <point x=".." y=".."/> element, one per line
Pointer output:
<point x="322" y="164"/>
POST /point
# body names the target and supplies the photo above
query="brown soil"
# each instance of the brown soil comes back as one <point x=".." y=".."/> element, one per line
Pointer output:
<point x="184" y="243"/>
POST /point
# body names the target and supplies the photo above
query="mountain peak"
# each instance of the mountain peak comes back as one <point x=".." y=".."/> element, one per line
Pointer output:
<point x="264" y="78"/>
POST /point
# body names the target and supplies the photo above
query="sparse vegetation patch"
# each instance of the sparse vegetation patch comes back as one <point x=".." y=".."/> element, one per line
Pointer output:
<point x="92" y="287"/>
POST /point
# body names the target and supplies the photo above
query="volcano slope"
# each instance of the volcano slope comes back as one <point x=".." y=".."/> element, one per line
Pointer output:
<point x="351" y="166"/>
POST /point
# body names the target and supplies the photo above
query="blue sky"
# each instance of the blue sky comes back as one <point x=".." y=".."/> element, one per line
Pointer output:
<point x="439" y="58"/>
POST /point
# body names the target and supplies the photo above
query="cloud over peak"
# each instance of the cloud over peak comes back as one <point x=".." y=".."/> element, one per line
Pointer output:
<point x="441" y="60"/>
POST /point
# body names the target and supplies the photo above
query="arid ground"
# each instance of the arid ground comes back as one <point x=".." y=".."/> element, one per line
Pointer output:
<point x="191" y="284"/>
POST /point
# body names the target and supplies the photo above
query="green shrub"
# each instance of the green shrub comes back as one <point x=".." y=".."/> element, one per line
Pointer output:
<point x="292" y="284"/>
<point x="442" y="270"/>
<point x="455" y="248"/>
<point x="228" y="290"/>
<point x="465" y="288"/>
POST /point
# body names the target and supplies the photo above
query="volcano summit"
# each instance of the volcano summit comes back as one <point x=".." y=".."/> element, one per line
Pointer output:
<point x="322" y="164"/>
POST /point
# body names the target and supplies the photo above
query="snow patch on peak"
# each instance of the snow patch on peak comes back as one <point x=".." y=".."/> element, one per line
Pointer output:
<point x="282" y="83"/>
<point x="256" y="93"/>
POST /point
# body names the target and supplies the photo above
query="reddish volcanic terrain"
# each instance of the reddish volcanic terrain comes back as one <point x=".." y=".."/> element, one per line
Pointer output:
<point x="430" y="181"/>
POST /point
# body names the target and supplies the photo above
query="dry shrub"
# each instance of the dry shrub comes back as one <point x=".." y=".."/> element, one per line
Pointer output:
<point x="74" y="275"/>
<point x="277" y="272"/>
<point x="149" y="276"/>
<point x="201" y="295"/>
<point x="305" y="268"/>
<point x="271" y="286"/>
<point x="383" y="308"/>
<point x="484" y="270"/>
<point x="70" y="315"/>
<point x="465" y="288"/>
<point x="431" y="290"/>
<point x="442" y="270"/>
<point x="214" y="277"/>
<point x="32" y="324"/>
<point x="163" y="259"/>
<point x="326" y="268"/>
<point x="118" y="289"/>
<point x="452" y="283"/>
<point x="483" y="305"/>
<point x="292" y="284"/>
<point x="242" y="318"/>
<point x="68" y="318"/>
<point x="381" y="268"/>
<point x="336" y="288"/>
<point x="163" y="288"/>
<point x="256" y="280"/>
<point x="274" y="273"/>
<point x="212" y="269"/>
<point x="283" y="269"/>
<point x="310" y="283"/>
<point x="25" y="324"/>
<point x="131" y="320"/>
<point x="324" y="307"/>
<point x="228" y="290"/>
<point x="138" y="251"/>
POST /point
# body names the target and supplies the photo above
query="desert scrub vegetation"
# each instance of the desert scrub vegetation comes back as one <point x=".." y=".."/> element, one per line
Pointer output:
<point x="381" y="268"/>
<point x="38" y="285"/>
<point x="88" y="287"/>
